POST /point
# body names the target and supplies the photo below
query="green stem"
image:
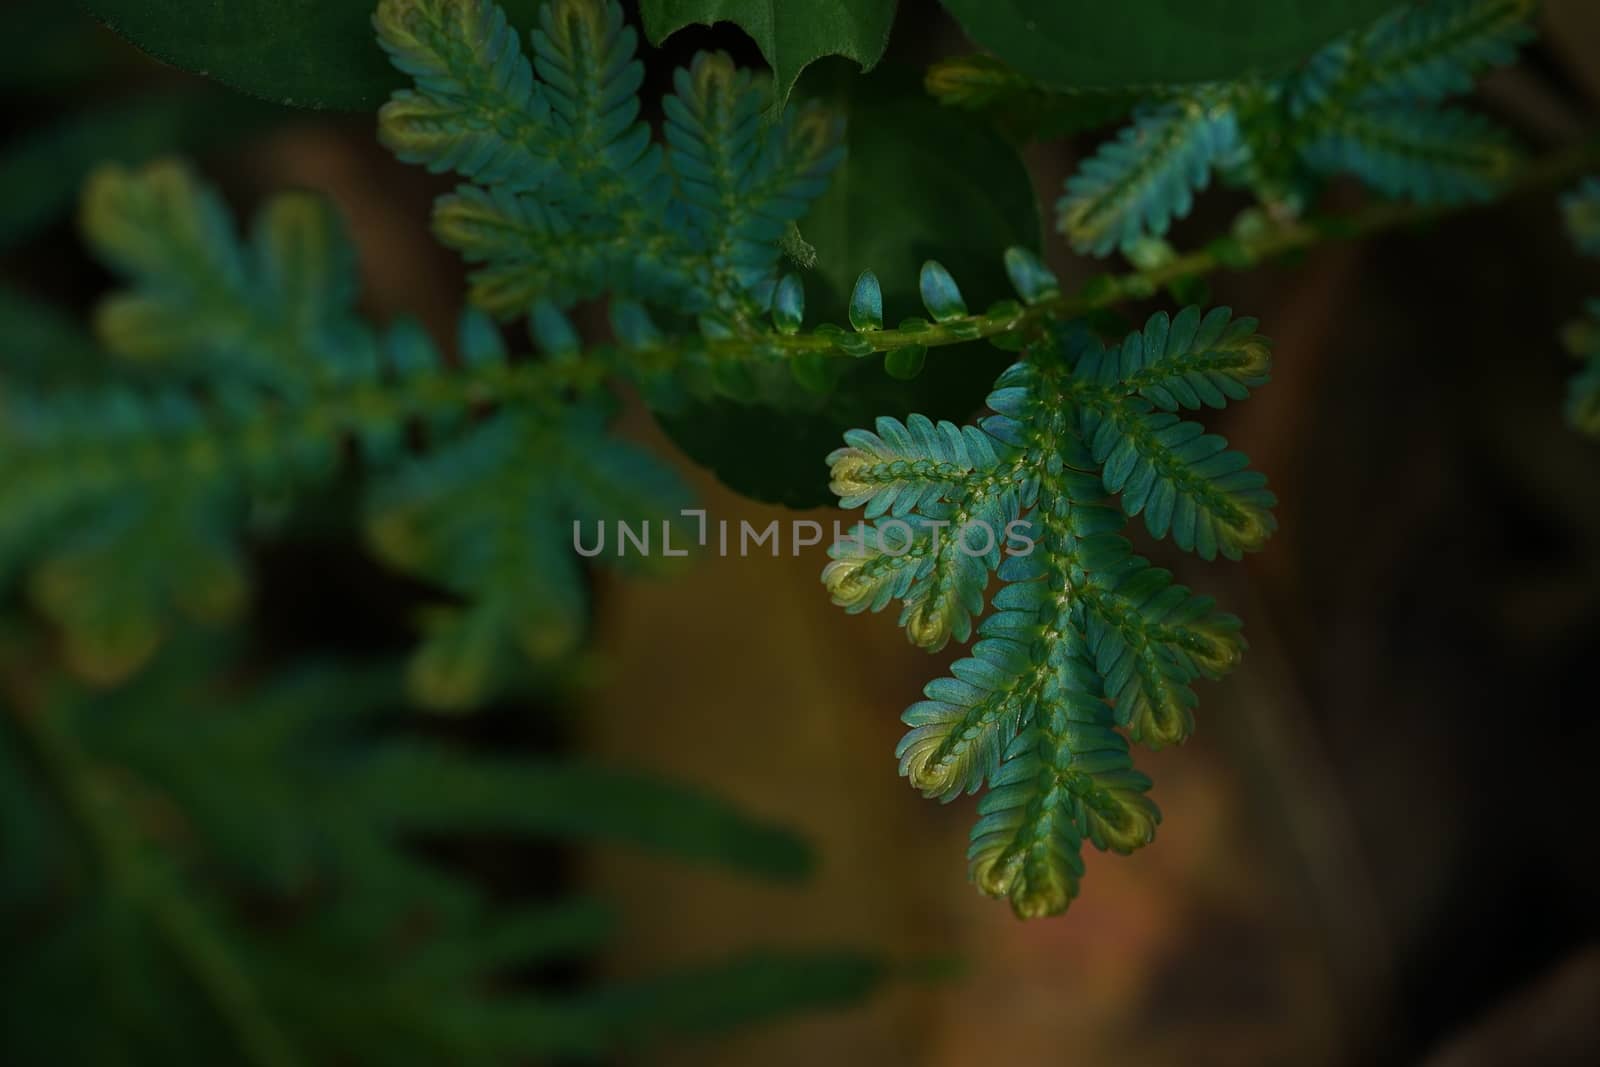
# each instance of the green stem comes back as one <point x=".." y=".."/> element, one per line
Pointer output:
<point x="227" y="444"/>
<point x="148" y="883"/>
<point x="1554" y="169"/>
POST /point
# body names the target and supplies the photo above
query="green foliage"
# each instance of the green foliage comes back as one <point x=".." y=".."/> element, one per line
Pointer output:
<point x="790" y="33"/>
<point x="261" y="894"/>
<point x="1365" y="105"/>
<point x="1581" y="208"/>
<point x="1138" y="183"/>
<point x="262" y="855"/>
<point x="890" y="209"/>
<point x="303" y="53"/>
<point x="1086" y="637"/>
<point x="569" y="197"/>
<point x="123" y="502"/>
<point x="1089" y="44"/>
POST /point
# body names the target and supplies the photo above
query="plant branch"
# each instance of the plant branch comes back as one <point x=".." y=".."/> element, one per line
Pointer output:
<point x="1553" y="169"/>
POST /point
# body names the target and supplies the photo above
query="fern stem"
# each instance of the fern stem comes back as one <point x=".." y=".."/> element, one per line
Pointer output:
<point x="229" y="442"/>
<point x="146" y="882"/>
<point x="1107" y="291"/>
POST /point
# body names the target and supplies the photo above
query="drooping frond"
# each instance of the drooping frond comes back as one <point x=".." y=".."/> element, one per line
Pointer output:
<point x="1085" y="636"/>
<point x="569" y="197"/>
<point x="1138" y="183"/>
<point x="1419" y="52"/>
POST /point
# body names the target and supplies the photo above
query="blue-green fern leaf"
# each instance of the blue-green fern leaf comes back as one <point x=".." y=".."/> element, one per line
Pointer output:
<point x="1087" y="645"/>
<point x="1431" y="155"/>
<point x="569" y="198"/>
<point x="1137" y="184"/>
<point x="1366" y="105"/>
<point x="123" y="499"/>
<point x="1419" y="52"/>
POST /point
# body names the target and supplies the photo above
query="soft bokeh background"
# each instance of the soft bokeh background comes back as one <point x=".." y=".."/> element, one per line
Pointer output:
<point x="1379" y="846"/>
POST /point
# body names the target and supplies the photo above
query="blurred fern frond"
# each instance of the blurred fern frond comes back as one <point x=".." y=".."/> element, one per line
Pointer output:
<point x="243" y="868"/>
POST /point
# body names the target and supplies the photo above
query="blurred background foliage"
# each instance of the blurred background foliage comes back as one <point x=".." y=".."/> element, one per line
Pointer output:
<point x="1374" y="849"/>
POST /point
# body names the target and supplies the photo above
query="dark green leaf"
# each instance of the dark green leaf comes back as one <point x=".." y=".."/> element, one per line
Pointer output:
<point x="790" y="33"/>
<point x="1077" y="44"/>
<point x="305" y="53"/>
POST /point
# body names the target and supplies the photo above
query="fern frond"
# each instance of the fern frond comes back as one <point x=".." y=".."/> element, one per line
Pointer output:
<point x="122" y="501"/>
<point x="1085" y="637"/>
<point x="1419" y="52"/>
<point x="476" y="109"/>
<point x="570" y="198"/>
<point x="1187" y="361"/>
<point x="1137" y="184"/>
<point x="1431" y="155"/>
<point x="1184" y="481"/>
<point x="1364" y="105"/>
<point x="1581" y="210"/>
<point x="277" y="311"/>
<point x="743" y="184"/>
<point x="255" y="847"/>
<point x="499" y="532"/>
<point x="1067" y="776"/>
